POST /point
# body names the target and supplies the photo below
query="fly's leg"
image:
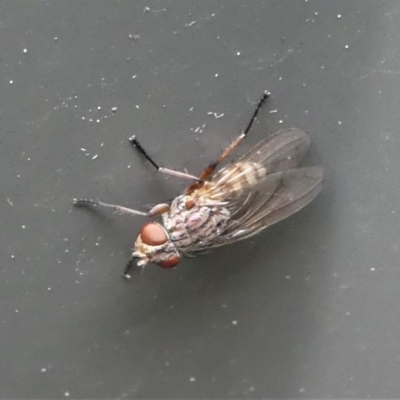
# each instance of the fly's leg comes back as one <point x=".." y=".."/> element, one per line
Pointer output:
<point x="127" y="269"/>
<point x="96" y="203"/>
<point x="206" y="174"/>
<point x="89" y="203"/>
<point x="163" y="170"/>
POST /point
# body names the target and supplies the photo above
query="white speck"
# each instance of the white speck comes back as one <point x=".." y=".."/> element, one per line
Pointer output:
<point x="316" y="13"/>
<point x="66" y="394"/>
<point x="23" y="226"/>
<point x="55" y="38"/>
<point x="96" y="244"/>
<point x="25" y="50"/>
<point x="102" y="144"/>
<point x="273" y="111"/>
<point x="114" y="109"/>
<point x="306" y="112"/>
<point x="16" y="310"/>
<point x="95" y="156"/>
<point x="83" y="149"/>
<point x="192" y="379"/>
<point x="339" y="122"/>
<point x="280" y="121"/>
<point x="346" y="47"/>
<point x="372" y="269"/>
<point x="97" y="120"/>
<point x="10" y="202"/>
<point x="83" y="118"/>
<point x="137" y="106"/>
<point x="339" y="16"/>
<point x="209" y="113"/>
<point x="49" y="289"/>
<point x="287" y="276"/>
<point x="191" y="108"/>
<point x="197" y="129"/>
<point x="11" y="82"/>
<point x="234" y="322"/>
<point x="217" y="116"/>
<point x="90" y="120"/>
<point x="304" y="84"/>
<point x="238" y="53"/>
<point x="12" y="256"/>
<point x="43" y="370"/>
<point x="134" y="76"/>
<point x="216" y="75"/>
<point x="99" y="108"/>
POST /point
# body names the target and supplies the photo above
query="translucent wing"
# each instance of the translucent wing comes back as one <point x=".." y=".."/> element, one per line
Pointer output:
<point x="264" y="186"/>
<point x="236" y="182"/>
<point x="280" y="152"/>
<point x="296" y="189"/>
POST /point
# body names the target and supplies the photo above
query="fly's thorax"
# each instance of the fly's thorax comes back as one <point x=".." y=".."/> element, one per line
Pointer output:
<point x="194" y="221"/>
<point x="153" y="245"/>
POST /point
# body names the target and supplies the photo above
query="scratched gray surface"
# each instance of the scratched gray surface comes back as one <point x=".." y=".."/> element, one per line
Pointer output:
<point x="310" y="308"/>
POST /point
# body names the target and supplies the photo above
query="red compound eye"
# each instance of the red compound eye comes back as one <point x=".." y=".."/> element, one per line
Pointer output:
<point x="153" y="234"/>
<point x="170" y="262"/>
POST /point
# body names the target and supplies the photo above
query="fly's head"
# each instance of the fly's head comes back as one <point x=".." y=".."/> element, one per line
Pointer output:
<point x="153" y="245"/>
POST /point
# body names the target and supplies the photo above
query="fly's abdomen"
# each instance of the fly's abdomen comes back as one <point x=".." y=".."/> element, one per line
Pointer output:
<point x="240" y="177"/>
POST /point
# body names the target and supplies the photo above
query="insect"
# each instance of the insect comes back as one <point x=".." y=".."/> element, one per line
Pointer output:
<point x="226" y="205"/>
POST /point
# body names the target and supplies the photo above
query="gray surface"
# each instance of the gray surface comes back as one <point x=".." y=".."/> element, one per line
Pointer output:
<point x="308" y="309"/>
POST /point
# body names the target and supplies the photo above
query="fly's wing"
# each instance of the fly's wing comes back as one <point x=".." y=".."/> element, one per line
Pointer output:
<point x="296" y="189"/>
<point x="264" y="186"/>
<point x="281" y="151"/>
<point x="258" y="172"/>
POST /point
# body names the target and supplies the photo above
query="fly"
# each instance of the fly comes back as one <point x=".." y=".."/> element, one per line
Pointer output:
<point x="225" y="205"/>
